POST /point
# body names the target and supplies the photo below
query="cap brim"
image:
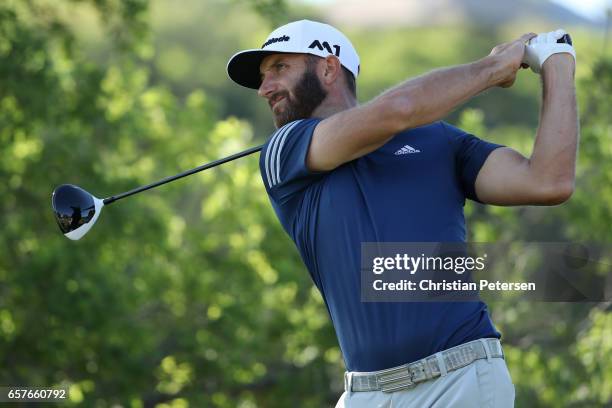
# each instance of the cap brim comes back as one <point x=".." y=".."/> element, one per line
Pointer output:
<point x="243" y="67"/>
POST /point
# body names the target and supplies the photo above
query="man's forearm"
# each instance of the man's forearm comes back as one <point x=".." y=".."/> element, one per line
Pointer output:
<point x="553" y="159"/>
<point x="432" y="96"/>
<point x="347" y="134"/>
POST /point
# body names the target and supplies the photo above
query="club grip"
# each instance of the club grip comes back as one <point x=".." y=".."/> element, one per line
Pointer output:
<point x="566" y="39"/>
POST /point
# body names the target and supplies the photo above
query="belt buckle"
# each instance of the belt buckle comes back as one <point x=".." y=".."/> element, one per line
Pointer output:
<point x="396" y="382"/>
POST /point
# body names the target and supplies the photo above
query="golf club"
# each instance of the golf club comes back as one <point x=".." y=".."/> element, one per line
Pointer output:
<point x="77" y="210"/>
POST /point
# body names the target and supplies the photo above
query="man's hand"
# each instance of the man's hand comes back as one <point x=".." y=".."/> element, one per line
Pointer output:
<point x="544" y="45"/>
<point x="510" y="56"/>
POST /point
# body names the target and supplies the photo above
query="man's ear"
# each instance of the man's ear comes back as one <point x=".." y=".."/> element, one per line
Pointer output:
<point x="331" y="69"/>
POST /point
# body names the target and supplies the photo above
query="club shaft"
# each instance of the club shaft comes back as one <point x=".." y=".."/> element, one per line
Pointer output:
<point x="206" y="166"/>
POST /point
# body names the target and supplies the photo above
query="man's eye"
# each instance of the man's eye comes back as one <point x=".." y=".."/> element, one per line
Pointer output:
<point x="280" y="65"/>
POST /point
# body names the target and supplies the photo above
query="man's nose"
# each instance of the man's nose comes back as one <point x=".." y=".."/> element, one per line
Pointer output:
<point x="267" y="87"/>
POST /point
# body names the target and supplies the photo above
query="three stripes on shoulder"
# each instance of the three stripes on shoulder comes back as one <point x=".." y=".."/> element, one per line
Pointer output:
<point x="273" y="153"/>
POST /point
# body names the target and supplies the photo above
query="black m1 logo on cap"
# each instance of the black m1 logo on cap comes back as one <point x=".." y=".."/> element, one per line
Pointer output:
<point x="325" y="45"/>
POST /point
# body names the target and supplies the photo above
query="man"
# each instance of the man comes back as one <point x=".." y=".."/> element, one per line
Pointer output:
<point x="339" y="174"/>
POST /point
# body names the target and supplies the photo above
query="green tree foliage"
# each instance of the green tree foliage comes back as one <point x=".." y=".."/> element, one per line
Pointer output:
<point x="187" y="295"/>
<point x="274" y="11"/>
<point x="193" y="295"/>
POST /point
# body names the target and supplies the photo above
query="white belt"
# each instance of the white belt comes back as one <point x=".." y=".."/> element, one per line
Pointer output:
<point x="436" y="365"/>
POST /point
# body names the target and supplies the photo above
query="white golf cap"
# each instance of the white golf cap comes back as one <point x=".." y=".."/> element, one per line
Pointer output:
<point x="298" y="37"/>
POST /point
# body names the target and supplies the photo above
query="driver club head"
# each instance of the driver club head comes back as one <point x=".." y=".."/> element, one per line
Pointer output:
<point x="76" y="210"/>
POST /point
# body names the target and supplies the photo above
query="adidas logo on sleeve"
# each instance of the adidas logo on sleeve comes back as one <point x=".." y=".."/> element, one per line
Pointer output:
<point x="407" y="150"/>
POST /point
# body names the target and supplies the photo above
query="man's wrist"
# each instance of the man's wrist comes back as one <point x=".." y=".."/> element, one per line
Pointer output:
<point x="559" y="66"/>
<point x="488" y="71"/>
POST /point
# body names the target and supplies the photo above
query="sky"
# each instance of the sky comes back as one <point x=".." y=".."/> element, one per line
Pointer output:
<point x="595" y="9"/>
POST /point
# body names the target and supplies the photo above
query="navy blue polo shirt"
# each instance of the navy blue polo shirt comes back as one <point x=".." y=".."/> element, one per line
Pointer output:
<point x="412" y="189"/>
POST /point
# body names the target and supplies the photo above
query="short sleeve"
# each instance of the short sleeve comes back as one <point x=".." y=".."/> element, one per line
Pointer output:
<point x="283" y="160"/>
<point x="470" y="154"/>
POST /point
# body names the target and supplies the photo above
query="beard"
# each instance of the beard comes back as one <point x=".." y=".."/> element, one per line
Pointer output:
<point x="309" y="94"/>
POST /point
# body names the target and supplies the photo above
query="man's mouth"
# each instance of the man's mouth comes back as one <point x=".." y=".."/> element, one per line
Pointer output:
<point x="274" y="101"/>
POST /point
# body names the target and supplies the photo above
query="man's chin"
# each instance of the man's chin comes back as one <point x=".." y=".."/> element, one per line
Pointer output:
<point x="282" y="120"/>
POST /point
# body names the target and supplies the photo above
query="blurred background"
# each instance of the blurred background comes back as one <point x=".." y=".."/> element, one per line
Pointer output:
<point x="192" y="295"/>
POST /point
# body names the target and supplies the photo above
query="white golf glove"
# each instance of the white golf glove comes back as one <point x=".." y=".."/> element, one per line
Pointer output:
<point x="539" y="48"/>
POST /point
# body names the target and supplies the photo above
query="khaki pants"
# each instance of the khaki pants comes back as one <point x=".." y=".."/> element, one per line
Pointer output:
<point x="482" y="384"/>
